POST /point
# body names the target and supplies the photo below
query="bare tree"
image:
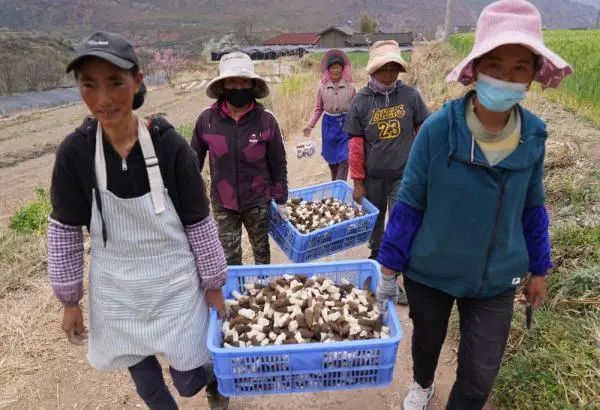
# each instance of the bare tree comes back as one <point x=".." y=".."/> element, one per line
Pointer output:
<point x="224" y="42"/>
<point x="9" y="75"/>
<point x="33" y="72"/>
<point x="170" y="61"/>
<point x="53" y="74"/>
<point x="245" y="29"/>
<point x="447" y="20"/>
<point x="368" y="24"/>
<point x="145" y="58"/>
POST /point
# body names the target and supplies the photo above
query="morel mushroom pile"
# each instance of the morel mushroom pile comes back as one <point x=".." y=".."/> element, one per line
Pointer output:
<point x="297" y="309"/>
<point x="308" y="216"/>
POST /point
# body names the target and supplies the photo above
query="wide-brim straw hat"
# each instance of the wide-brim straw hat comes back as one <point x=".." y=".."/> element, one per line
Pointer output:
<point x="236" y="64"/>
<point x="383" y="52"/>
<point x="512" y="22"/>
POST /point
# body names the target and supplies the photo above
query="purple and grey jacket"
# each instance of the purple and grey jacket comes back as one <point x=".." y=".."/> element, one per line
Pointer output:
<point x="248" y="166"/>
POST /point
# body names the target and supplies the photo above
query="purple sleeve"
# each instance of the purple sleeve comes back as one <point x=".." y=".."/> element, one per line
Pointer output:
<point x="198" y="144"/>
<point x="277" y="163"/>
<point x="210" y="258"/>
<point x="65" y="261"/>
<point x="400" y="232"/>
<point x="535" y="228"/>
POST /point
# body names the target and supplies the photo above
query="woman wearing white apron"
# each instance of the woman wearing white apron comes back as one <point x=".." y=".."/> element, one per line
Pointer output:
<point x="156" y="260"/>
<point x="336" y="91"/>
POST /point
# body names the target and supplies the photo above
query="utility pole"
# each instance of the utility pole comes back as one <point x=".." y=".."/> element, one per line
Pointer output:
<point x="597" y="25"/>
<point x="447" y="22"/>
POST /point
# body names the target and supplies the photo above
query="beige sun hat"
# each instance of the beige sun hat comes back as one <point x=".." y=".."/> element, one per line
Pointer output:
<point x="236" y="64"/>
<point x="383" y="52"/>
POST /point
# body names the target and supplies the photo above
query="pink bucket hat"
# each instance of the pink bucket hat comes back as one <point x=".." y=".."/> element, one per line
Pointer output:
<point x="346" y="74"/>
<point x="512" y="22"/>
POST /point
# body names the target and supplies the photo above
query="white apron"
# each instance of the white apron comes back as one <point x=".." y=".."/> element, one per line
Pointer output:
<point x="145" y="297"/>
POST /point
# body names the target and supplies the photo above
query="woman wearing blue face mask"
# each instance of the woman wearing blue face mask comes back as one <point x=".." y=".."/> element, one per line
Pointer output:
<point x="471" y="224"/>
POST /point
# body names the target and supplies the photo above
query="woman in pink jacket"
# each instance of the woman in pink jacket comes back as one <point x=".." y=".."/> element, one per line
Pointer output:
<point x="335" y="93"/>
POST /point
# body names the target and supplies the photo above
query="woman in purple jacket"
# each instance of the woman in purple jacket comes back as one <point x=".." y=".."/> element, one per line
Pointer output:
<point x="248" y="166"/>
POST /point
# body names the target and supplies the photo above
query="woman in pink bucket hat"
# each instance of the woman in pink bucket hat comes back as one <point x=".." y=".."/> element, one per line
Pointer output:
<point x="470" y="224"/>
<point x="336" y="90"/>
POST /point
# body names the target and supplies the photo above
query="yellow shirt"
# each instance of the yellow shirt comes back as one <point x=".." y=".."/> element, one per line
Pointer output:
<point x="495" y="147"/>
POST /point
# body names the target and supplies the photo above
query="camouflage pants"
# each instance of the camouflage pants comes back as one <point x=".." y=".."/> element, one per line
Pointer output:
<point x="256" y="222"/>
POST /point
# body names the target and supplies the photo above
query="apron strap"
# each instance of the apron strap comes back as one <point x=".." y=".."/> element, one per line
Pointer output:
<point x="157" y="188"/>
<point x="99" y="162"/>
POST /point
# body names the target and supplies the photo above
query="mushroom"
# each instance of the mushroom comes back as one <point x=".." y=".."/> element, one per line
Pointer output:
<point x="297" y="309"/>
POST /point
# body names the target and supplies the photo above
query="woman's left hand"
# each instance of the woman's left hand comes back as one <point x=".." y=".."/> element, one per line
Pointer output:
<point x="216" y="300"/>
<point x="535" y="290"/>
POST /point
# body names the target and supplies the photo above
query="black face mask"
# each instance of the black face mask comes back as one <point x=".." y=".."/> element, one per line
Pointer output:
<point x="238" y="98"/>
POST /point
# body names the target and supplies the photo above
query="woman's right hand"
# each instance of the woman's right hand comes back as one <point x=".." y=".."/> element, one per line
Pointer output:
<point x="386" y="289"/>
<point x="216" y="300"/>
<point x="359" y="191"/>
<point x="72" y="325"/>
<point x="306" y="131"/>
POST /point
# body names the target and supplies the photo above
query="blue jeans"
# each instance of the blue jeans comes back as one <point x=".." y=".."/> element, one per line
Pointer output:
<point x="383" y="193"/>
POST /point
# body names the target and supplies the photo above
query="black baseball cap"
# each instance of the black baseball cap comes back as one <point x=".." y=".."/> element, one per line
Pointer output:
<point x="107" y="46"/>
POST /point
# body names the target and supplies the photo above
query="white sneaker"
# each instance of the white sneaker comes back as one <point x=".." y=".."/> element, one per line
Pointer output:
<point x="418" y="397"/>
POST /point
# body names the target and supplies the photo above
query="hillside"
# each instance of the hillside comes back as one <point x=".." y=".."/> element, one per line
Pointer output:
<point x="595" y="3"/>
<point x="189" y="22"/>
<point x="32" y="61"/>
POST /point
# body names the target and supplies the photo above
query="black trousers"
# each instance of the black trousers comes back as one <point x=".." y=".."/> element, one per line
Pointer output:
<point x="150" y="384"/>
<point x="484" y="327"/>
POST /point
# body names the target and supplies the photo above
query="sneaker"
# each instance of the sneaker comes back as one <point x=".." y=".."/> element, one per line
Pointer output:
<point x="418" y="397"/>
<point x="216" y="401"/>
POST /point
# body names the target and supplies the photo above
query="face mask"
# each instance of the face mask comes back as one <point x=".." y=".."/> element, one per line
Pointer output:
<point x="497" y="95"/>
<point x="238" y="98"/>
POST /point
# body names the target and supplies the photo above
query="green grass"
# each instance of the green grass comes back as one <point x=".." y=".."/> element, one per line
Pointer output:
<point x="574" y="196"/>
<point x="580" y="283"/>
<point x="359" y="59"/>
<point x="581" y="48"/>
<point x="22" y="257"/>
<point x="186" y="130"/>
<point x="296" y="84"/>
<point x="33" y="217"/>
<point x="576" y="245"/>
<point x="555" y="365"/>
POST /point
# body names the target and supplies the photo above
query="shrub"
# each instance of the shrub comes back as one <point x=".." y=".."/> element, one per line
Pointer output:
<point x="33" y="217"/>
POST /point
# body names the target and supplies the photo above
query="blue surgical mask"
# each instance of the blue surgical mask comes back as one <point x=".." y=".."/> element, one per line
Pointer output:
<point x="497" y="95"/>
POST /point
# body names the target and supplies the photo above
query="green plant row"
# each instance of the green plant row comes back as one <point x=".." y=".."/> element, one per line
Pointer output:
<point x="581" y="48"/>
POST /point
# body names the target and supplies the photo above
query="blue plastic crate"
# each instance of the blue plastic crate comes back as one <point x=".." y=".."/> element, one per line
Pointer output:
<point x="301" y="247"/>
<point x="304" y="367"/>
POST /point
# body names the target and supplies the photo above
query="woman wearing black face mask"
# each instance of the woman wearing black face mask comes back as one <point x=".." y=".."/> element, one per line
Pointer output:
<point x="248" y="166"/>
